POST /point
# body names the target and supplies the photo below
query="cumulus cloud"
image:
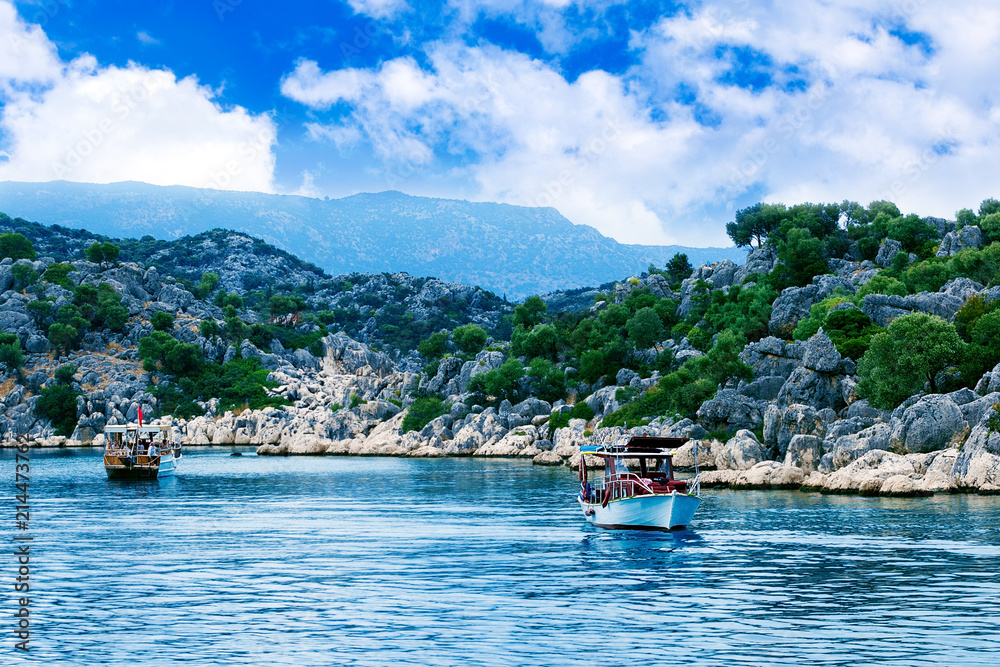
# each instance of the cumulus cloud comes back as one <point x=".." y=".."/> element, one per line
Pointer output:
<point x="80" y="121"/>
<point x="783" y="99"/>
<point x="540" y="140"/>
<point x="378" y="9"/>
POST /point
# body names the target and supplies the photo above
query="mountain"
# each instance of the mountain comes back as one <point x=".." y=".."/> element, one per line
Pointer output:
<point x="511" y="250"/>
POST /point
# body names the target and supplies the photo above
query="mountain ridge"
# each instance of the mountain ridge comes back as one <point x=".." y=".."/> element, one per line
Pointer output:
<point x="509" y="249"/>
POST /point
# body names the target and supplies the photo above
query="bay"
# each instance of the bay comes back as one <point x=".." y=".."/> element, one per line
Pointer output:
<point x="377" y="561"/>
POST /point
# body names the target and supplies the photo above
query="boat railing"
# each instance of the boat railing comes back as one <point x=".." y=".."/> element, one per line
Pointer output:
<point x="623" y="485"/>
<point x="694" y="485"/>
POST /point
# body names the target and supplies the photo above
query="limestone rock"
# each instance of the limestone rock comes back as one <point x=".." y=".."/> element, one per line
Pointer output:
<point x="868" y="472"/>
<point x="805" y="452"/>
<point x="730" y="410"/>
<point x="969" y="236"/>
<point x="903" y="486"/>
<point x="759" y="260"/>
<point x="990" y="382"/>
<point x="882" y="309"/>
<point x="887" y="252"/>
<point x="795" y="302"/>
<point x="846" y="449"/>
<point x="809" y="387"/>
<point x="934" y="422"/>
<point x="742" y="452"/>
<point x="974" y="411"/>
<point x="772" y="357"/>
<point x="821" y="354"/>
<point x="548" y="458"/>
<point x="782" y="424"/>
<point x="708" y="454"/>
<point x="769" y="475"/>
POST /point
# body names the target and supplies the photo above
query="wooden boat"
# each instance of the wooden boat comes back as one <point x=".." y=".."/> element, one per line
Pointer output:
<point x="139" y="452"/>
<point x="645" y="496"/>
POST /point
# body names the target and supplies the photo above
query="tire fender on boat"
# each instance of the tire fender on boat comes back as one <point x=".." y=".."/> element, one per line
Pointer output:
<point x="607" y="497"/>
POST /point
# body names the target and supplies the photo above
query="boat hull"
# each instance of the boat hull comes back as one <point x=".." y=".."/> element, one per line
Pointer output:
<point x="116" y="470"/>
<point x="662" y="511"/>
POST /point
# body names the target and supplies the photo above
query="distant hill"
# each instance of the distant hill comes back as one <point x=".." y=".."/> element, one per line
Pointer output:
<point x="510" y="250"/>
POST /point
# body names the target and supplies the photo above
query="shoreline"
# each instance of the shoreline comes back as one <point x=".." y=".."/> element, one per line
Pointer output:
<point x="714" y="481"/>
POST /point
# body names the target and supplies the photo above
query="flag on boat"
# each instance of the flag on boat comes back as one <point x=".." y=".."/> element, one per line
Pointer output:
<point x="140" y="416"/>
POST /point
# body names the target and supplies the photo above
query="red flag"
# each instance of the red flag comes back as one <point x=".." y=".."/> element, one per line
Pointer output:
<point x="140" y="416"/>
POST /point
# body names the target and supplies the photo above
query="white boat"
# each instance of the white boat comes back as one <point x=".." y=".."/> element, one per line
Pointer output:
<point x="139" y="452"/>
<point x="646" y="496"/>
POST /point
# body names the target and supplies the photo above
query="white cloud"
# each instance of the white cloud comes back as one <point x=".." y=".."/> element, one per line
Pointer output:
<point x="378" y="9"/>
<point x="146" y="38"/>
<point x="80" y="121"/>
<point x="26" y="54"/>
<point x="858" y="99"/>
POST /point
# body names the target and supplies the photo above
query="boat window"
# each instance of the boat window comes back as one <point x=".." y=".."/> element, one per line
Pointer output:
<point x="620" y="467"/>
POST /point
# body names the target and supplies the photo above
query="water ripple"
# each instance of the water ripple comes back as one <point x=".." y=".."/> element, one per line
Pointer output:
<point x="387" y="561"/>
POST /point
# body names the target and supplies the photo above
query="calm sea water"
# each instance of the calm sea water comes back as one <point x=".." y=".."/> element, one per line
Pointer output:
<point x="371" y="561"/>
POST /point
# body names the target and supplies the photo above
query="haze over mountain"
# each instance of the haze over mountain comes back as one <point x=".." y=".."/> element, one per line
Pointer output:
<point x="511" y="250"/>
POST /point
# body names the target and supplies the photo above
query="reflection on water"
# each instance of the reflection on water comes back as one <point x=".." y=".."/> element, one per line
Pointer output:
<point x="302" y="561"/>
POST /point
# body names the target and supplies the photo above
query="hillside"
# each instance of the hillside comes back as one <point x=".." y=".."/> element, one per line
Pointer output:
<point x="510" y="250"/>
<point x="856" y="351"/>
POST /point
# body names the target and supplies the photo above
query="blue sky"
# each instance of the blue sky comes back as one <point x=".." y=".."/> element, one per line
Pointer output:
<point x="651" y="121"/>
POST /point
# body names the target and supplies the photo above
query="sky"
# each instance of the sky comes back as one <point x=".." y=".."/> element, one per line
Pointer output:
<point x="651" y="121"/>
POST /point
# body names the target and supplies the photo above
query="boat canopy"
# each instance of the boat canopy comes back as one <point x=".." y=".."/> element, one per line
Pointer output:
<point x="637" y="445"/>
<point x="135" y="428"/>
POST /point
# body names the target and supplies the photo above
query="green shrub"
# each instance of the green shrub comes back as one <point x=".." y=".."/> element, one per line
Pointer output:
<point x="58" y="274"/>
<point x="57" y="403"/>
<point x="11" y="355"/>
<point x="556" y="421"/>
<point x="469" y="338"/>
<point x="16" y="246"/>
<point x="499" y="383"/>
<point x="581" y="411"/>
<point x="421" y="412"/>
<point x="65" y="374"/>
<point x="910" y="353"/>
<point x="162" y="321"/>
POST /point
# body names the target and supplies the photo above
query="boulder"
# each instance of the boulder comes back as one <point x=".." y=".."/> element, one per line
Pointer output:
<point x="974" y="411"/>
<point x="868" y="473"/>
<point x="485" y="361"/>
<point x="685" y="428"/>
<point x="805" y="452"/>
<point x="887" y="252"/>
<point x="742" y="452"/>
<point x="764" y="388"/>
<point x="782" y="424"/>
<point x="847" y="449"/>
<point x="990" y="382"/>
<point x="37" y="344"/>
<point x="882" y="309"/>
<point x="820" y="354"/>
<point x="795" y="302"/>
<point x="809" y="387"/>
<point x="548" y="458"/>
<point x="769" y="475"/>
<point x="708" y="454"/>
<point x="934" y="422"/>
<point x="977" y="466"/>
<point x="772" y="357"/>
<point x="969" y="236"/>
<point x="903" y="486"/>
<point x="730" y="410"/>
<point x="759" y="260"/>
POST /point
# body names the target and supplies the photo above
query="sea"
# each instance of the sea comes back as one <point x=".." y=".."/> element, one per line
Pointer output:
<point x="247" y="560"/>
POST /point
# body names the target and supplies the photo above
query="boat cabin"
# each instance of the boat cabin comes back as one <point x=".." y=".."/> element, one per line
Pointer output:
<point x="638" y="466"/>
<point x="132" y="451"/>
